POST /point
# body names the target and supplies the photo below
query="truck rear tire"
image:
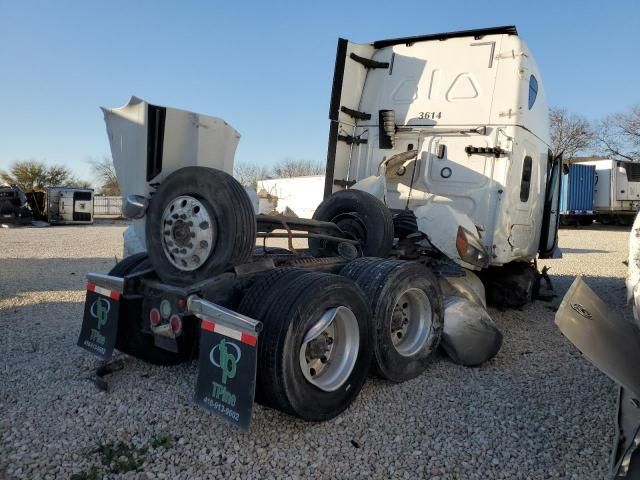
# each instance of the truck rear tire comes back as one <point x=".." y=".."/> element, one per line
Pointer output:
<point x="362" y="217"/>
<point x="566" y="220"/>
<point x="585" y="221"/>
<point x="408" y="314"/>
<point x="603" y="219"/>
<point x="200" y="222"/>
<point x="625" y="220"/>
<point x="315" y="349"/>
<point x="130" y="339"/>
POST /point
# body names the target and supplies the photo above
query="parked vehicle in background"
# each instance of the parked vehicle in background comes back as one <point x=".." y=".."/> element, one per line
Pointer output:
<point x="295" y="196"/>
<point x="616" y="191"/>
<point x="576" y="199"/>
<point x="14" y="208"/>
<point x="66" y="206"/>
<point x="439" y="170"/>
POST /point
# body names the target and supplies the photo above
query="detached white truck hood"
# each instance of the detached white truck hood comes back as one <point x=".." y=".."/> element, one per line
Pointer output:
<point x="149" y="142"/>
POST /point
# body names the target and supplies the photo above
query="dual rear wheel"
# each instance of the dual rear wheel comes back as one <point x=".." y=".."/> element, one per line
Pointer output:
<point x="407" y="314"/>
<point x="323" y="332"/>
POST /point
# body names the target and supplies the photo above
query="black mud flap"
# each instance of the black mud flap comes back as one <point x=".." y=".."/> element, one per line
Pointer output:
<point x="100" y="322"/>
<point x="227" y="373"/>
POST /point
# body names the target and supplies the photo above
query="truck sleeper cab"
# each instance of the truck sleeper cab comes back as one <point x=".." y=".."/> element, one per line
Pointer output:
<point x="472" y="106"/>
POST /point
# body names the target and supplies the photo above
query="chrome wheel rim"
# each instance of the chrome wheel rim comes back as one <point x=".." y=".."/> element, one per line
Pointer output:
<point x="411" y="322"/>
<point x="330" y="349"/>
<point x="187" y="233"/>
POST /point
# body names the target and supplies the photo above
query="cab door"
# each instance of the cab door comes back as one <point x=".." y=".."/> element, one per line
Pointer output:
<point x="551" y="210"/>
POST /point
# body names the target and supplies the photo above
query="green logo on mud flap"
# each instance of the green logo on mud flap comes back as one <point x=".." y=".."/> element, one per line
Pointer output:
<point x="227" y="361"/>
<point x="100" y="311"/>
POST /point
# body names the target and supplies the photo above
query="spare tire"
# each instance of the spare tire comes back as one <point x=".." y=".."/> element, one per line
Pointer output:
<point x="200" y="222"/>
<point x="361" y="216"/>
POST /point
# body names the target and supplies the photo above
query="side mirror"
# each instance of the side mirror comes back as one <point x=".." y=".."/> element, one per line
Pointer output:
<point x="134" y="206"/>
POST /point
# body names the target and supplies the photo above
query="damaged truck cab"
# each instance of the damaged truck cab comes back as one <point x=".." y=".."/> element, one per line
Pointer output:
<point x="450" y="125"/>
<point x="438" y="166"/>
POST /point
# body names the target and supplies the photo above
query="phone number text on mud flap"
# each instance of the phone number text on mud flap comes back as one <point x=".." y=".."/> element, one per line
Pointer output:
<point x="222" y="408"/>
<point x="95" y="347"/>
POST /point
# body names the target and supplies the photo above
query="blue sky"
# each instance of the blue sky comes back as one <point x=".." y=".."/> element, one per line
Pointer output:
<point x="265" y="67"/>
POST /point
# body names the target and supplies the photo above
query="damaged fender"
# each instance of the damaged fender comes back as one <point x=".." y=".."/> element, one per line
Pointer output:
<point x="443" y="224"/>
<point x="468" y="286"/>
<point x="469" y="336"/>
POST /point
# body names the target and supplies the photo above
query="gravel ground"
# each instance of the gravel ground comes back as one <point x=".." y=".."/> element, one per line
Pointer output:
<point x="538" y="410"/>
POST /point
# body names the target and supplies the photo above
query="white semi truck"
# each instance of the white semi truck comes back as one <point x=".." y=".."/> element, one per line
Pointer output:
<point x="438" y="166"/>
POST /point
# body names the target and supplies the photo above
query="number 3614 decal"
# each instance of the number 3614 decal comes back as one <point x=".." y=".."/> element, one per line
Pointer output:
<point x="430" y="115"/>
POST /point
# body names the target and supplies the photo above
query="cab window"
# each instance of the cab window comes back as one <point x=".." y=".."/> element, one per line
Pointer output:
<point x="533" y="90"/>
<point x="525" y="184"/>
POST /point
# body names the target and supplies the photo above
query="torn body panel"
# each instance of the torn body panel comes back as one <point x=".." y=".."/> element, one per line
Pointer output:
<point x="613" y="345"/>
<point x="470" y="337"/>
<point x="442" y="223"/>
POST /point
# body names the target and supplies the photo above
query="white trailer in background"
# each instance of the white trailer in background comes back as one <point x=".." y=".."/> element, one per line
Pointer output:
<point x="617" y="190"/>
<point x="298" y="196"/>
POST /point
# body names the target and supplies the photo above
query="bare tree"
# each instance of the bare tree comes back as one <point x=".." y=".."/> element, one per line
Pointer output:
<point x="570" y="133"/>
<point x="288" y="168"/>
<point x="105" y="174"/>
<point x="35" y="175"/>
<point x="248" y="174"/>
<point x="618" y="135"/>
<point x="80" y="183"/>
